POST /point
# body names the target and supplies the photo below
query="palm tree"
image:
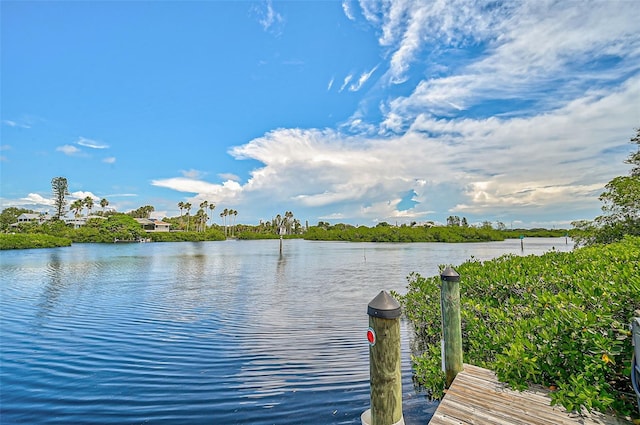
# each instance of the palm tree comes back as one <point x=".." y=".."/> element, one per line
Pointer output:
<point x="203" y="207"/>
<point x="181" y="206"/>
<point x="288" y="219"/>
<point x="77" y="206"/>
<point x="104" y="203"/>
<point x="212" y="207"/>
<point x="277" y="224"/>
<point x="230" y="213"/>
<point x="226" y="213"/>
<point x="235" y="214"/>
<point x="187" y="207"/>
<point x="222" y="217"/>
<point x="88" y="202"/>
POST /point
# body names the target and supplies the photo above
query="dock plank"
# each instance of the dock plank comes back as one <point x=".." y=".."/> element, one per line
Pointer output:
<point x="477" y="397"/>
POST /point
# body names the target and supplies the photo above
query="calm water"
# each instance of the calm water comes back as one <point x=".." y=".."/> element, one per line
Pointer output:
<point x="215" y="332"/>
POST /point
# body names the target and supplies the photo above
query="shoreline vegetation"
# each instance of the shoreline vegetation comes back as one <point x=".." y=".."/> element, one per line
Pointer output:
<point x="123" y="228"/>
<point x="560" y="320"/>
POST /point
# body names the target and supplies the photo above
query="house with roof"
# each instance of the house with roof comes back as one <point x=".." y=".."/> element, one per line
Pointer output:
<point x="31" y="218"/>
<point x="153" y="225"/>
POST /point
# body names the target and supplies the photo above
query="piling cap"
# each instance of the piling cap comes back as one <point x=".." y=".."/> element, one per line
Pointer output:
<point x="450" y="275"/>
<point x="384" y="306"/>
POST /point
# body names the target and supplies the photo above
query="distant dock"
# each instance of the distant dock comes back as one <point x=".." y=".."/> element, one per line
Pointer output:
<point x="477" y="397"/>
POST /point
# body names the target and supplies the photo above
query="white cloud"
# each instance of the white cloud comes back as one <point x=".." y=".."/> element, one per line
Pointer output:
<point x="482" y="167"/>
<point x="553" y="155"/>
<point x="229" y="176"/>
<point x="346" y="8"/>
<point x="83" y="141"/>
<point x="364" y="77"/>
<point x="330" y="83"/>
<point x="193" y="174"/>
<point x="83" y="195"/>
<point x="227" y="190"/>
<point x="534" y="52"/>
<point x="68" y="150"/>
<point x="15" y="124"/>
<point x="109" y="160"/>
<point x="36" y="199"/>
<point x="346" y="81"/>
<point x="269" y="19"/>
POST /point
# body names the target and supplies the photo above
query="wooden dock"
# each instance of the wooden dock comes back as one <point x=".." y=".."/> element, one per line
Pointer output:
<point x="477" y="397"/>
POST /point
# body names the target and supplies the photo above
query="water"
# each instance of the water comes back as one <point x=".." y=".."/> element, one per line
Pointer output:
<point x="214" y="332"/>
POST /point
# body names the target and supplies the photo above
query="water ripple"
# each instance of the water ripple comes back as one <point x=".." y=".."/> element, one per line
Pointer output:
<point x="227" y="332"/>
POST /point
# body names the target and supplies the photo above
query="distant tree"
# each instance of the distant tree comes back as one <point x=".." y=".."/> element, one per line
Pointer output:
<point x="235" y="214"/>
<point x="181" y="207"/>
<point x="77" y="206"/>
<point x="464" y="222"/>
<point x="453" y="220"/>
<point x="621" y="209"/>
<point x="203" y="216"/>
<point x="500" y="225"/>
<point x="88" y="202"/>
<point x="104" y="203"/>
<point x="212" y="207"/>
<point x="60" y="188"/>
<point x="187" y="207"/>
<point x="486" y="225"/>
<point x="10" y="215"/>
<point x="226" y="214"/>
<point x="142" y="212"/>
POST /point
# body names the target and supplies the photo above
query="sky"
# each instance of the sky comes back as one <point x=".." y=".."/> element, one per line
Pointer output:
<point x="353" y="112"/>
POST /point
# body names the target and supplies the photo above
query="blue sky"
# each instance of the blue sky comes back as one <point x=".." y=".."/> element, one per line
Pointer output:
<point x="353" y="112"/>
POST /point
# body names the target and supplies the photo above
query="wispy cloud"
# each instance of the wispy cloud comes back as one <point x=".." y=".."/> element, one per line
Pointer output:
<point x="364" y="77"/>
<point x="330" y="83"/>
<point x="109" y="160"/>
<point x="193" y="174"/>
<point x="11" y="123"/>
<point x="269" y="19"/>
<point x="69" y="150"/>
<point x="346" y="81"/>
<point x="88" y="143"/>
<point x="523" y="60"/>
<point x="229" y="176"/>
<point x="346" y="8"/>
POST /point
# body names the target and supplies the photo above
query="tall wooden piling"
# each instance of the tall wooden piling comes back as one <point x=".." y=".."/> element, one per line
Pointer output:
<point x="451" y="325"/>
<point x="384" y="360"/>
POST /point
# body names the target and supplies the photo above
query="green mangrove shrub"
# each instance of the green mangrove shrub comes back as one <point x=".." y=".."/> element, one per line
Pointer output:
<point x="559" y="320"/>
<point x="27" y="240"/>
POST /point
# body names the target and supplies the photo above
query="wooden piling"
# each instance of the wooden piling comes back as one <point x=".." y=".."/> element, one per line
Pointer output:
<point x="384" y="360"/>
<point x="451" y="326"/>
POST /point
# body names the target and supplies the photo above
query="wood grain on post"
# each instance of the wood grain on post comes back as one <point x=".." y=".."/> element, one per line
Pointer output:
<point x="384" y="360"/>
<point x="451" y="326"/>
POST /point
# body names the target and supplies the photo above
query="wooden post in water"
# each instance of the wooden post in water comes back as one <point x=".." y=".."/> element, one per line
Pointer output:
<point x="384" y="360"/>
<point x="451" y="326"/>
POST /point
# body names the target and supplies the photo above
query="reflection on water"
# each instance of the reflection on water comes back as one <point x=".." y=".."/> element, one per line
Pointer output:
<point x="54" y="285"/>
<point x="215" y="332"/>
